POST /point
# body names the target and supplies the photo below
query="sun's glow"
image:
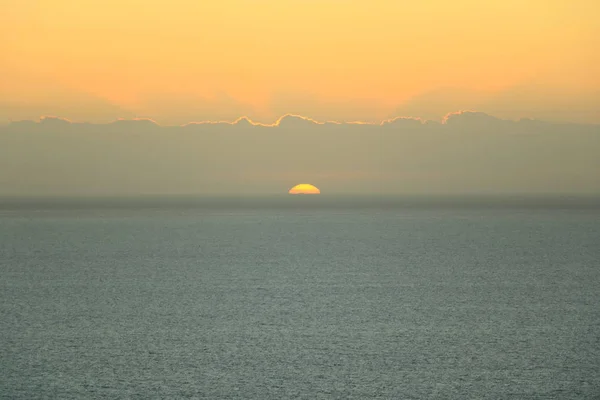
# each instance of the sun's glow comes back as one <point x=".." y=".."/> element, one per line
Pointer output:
<point x="304" y="188"/>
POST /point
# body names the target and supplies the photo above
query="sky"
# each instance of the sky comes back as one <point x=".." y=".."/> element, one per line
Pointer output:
<point x="178" y="61"/>
<point x="495" y="96"/>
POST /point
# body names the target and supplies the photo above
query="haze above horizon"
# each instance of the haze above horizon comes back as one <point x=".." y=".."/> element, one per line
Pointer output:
<point x="470" y="153"/>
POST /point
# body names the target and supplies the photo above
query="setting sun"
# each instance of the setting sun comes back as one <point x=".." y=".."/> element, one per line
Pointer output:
<point x="304" y="188"/>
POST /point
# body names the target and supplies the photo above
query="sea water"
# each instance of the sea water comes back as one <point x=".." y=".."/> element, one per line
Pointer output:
<point x="290" y="302"/>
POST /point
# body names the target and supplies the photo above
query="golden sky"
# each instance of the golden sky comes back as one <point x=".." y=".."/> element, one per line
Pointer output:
<point x="178" y="60"/>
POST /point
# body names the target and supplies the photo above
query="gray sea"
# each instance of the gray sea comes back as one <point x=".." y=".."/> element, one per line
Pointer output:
<point x="234" y="300"/>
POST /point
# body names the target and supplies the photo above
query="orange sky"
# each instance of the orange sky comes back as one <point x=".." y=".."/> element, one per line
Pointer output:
<point x="187" y="59"/>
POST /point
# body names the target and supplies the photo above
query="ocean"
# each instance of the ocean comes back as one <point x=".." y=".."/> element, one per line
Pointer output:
<point x="302" y="298"/>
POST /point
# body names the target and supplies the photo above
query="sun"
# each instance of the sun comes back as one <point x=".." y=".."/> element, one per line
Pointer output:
<point x="304" y="188"/>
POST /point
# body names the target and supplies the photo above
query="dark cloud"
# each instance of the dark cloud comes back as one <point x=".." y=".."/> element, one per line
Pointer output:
<point x="467" y="152"/>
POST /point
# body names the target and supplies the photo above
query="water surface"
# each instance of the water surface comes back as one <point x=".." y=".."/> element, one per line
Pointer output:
<point x="299" y="302"/>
